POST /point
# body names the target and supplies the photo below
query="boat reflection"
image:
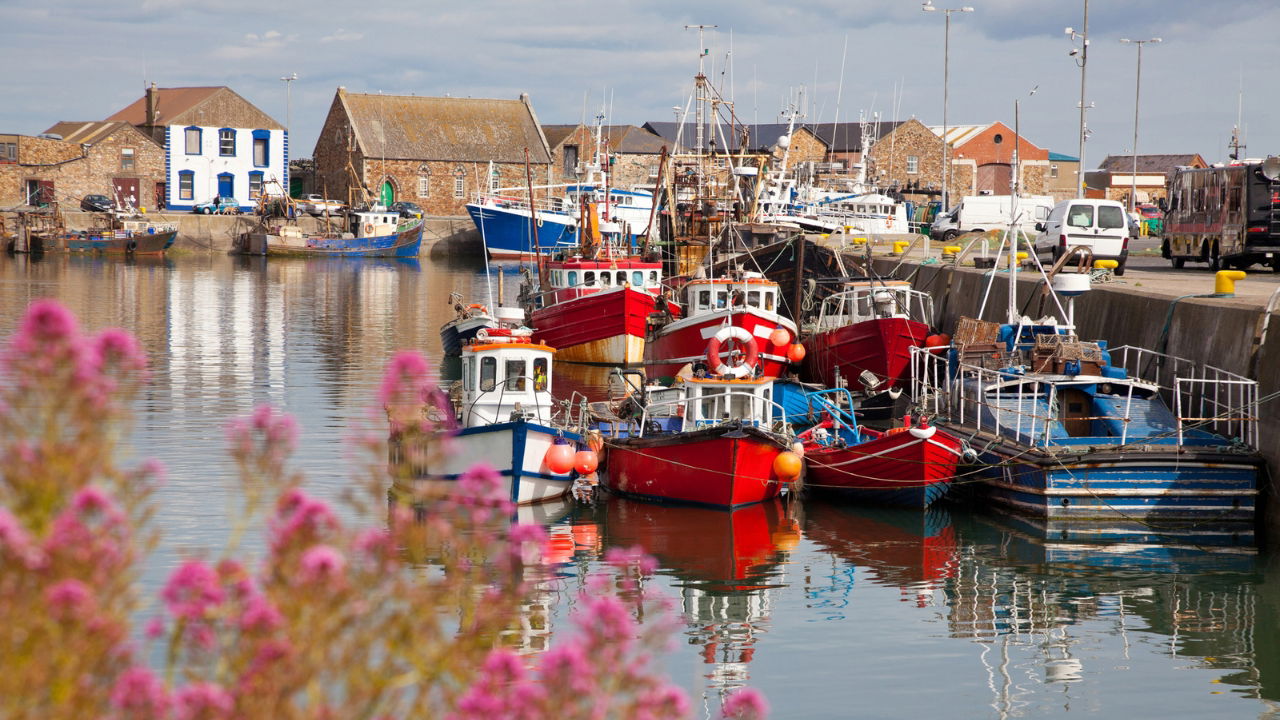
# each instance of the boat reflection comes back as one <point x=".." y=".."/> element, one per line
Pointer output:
<point x="725" y="564"/>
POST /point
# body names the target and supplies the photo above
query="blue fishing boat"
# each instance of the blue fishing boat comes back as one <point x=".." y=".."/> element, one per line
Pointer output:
<point x="369" y="233"/>
<point x="1073" y="430"/>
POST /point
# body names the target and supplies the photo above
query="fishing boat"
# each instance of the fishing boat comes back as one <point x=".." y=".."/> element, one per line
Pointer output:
<point x="134" y="235"/>
<point x="504" y="417"/>
<point x="1073" y="430"/>
<point x="725" y="318"/>
<point x="869" y="327"/>
<point x="911" y="465"/>
<point x="468" y="320"/>
<point x="706" y="441"/>
<point x="375" y="232"/>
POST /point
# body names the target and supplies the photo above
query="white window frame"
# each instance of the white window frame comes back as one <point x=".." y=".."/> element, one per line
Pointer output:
<point x="424" y="186"/>
<point x="913" y="164"/>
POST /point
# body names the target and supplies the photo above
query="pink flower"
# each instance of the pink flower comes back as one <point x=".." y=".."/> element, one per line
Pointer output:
<point x="193" y="591"/>
<point x="322" y="563"/>
<point x="300" y="517"/>
<point x="48" y="320"/>
<point x="260" y="614"/>
<point x="663" y="702"/>
<point x="140" y="694"/>
<point x="155" y="627"/>
<point x="15" y="537"/>
<point x="277" y="427"/>
<point x="203" y="701"/>
<point x="406" y="376"/>
<point x="69" y="599"/>
<point x="745" y="704"/>
<point x="632" y="557"/>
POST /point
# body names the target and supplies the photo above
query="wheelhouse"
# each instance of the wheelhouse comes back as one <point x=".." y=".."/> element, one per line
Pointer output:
<point x="872" y="300"/>
<point x="752" y="290"/>
<point x="502" y="382"/>
<point x="704" y="402"/>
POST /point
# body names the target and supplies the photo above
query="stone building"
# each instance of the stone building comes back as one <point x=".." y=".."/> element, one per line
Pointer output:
<point x="74" y="159"/>
<point x="844" y="140"/>
<point x="909" y="158"/>
<point x="437" y="152"/>
<point x="989" y="152"/>
<point x="216" y="142"/>
<point x="635" y="153"/>
<point x="1152" y="176"/>
<point x="1063" y="176"/>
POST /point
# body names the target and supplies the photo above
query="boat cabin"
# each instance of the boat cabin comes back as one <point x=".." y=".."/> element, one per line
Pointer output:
<point x="505" y="378"/>
<point x="751" y="290"/>
<point x="374" y="223"/>
<point x="704" y="402"/>
<point x="865" y="300"/>
<point x="576" y="277"/>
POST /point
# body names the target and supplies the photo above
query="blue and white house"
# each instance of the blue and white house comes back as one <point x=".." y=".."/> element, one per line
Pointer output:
<point x="216" y="144"/>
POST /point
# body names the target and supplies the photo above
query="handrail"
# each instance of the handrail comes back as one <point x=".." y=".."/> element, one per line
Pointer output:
<point x="644" y="417"/>
<point x="502" y="393"/>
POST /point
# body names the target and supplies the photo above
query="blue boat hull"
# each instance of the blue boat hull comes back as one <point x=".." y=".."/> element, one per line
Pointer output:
<point x="1137" y="484"/>
<point x="506" y="231"/>
<point x="403" y="244"/>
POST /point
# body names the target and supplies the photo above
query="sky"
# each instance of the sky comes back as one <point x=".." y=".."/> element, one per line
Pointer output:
<point x="634" y="61"/>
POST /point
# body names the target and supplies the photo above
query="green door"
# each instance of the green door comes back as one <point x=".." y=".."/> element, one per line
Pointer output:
<point x="388" y="194"/>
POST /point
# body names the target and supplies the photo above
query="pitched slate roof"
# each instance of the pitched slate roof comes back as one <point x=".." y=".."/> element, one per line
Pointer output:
<point x="847" y="136"/>
<point x="187" y="106"/>
<point x="408" y="127"/>
<point x="557" y="134"/>
<point x="1150" y="163"/>
<point x="92" y="132"/>
<point x="761" y="137"/>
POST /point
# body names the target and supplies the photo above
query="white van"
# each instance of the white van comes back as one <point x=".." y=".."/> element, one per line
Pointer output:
<point x="977" y="213"/>
<point x="1100" y="225"/>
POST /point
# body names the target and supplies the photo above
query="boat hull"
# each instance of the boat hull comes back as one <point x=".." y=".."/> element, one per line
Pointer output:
<point x="722" y="467"/>
<point x="517" y="450"/>
<point x="134" y="244"/>
<point x="605" y="328"/>
<point x="402" y="244"/>
<point x="456" y="333"/>
<point x="684" y="341"/>
<point x="505" y="231"/>
<point x="913" y="468"/>
<point x="1160" y="483"/>
<point x="882" y="345"/>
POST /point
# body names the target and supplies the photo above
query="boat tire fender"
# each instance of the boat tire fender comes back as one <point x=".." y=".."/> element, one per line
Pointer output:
<point x="741" y="335"/>
<point x="923" y="432"/>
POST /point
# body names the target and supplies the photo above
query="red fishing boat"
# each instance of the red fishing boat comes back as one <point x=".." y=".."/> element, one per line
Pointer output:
<point x="738" y="315"/>
<point x="908" y="466"/>
<point x="596" y="310"/>
<point x="706" y="441"/>
<point x="870" y="326"/>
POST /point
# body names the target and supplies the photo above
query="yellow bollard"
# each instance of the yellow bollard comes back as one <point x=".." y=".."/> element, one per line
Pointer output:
<point x="1018" y="258"/>
<point x="949" y="252"/>
<point x="899" y="247"/>
<point x="859" y="241"/>
<point x="1224" y="281"/>
<point x="1106" y="264"/>
<point x="825" y="235"/>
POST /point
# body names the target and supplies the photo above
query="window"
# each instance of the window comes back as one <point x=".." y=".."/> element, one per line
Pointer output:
<point x="653" y="277"/>
<point x="186" y="185"/>
<point x="9" y="152"/>
<point x="704" y="299"/>
<point x="998" y="139"/>
<point x="261" y="148"/>
<point x="913" y="164"/>
<point x="1110" y="217"/>
<point x="255" y="185"/>
<point x="540" y="378"/>
<point x="1053" y="171"/>
<point x="606" y="279"/>
<point x="468" y="369"/>
<point x="588" y="278"/>
<point x="653" y="171"/>
<point x="1080" y="216"/>
<point x="722" y="298"/>
<point x="570" y="160"/>
<point x="768" y="301"/>
<point x="573" y="278"/>
<point x="126" y="158"/>
<point x="515" y="375"/>
<point x="459" y="183"/>
<point x="424" y="186"/>
<point x="622" y="277"/>
<point x="753" y="298"/>
<point x="227" y="142"/>
<point x="495" y="181"/>
<point x="193" y="140"/>
<point x="488" y="373"/>
<point x="637" y="277"/>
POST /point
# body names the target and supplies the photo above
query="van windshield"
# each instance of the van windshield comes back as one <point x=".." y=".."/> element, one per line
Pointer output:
<point x="1110" y="217"/>
<point x="1080" y="216"/>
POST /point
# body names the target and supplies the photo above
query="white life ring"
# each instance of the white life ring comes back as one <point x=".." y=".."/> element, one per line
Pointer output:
<point x="742" y="335"/>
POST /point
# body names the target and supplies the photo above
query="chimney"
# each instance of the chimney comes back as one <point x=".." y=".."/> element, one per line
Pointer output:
<point x="152" y="98"/>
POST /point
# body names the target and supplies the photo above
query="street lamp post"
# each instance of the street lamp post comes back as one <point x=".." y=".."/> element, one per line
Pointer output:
<point x="1083" y="52"/>
<point x="288" y="100"/>
<point x="928" y="6"/>
<point x="1137" y="91"/>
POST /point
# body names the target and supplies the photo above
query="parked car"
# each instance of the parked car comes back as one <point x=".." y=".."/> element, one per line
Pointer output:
<point x="406" y="209"/>
<point x="218" y="206"/>
<point x="318" y="205"/>
<point x="96" y="203"/>
<point x="1103" y="226"/>
<point x="976" y="213"/>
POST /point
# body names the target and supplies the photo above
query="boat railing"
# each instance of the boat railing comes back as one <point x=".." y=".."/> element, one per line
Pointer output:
<point x="856" y="305"/>
<point x="540" y="413"/>
<point x="1201" y="396"/>
<point x="683" y="407"/>
<point x="515" y="202"/>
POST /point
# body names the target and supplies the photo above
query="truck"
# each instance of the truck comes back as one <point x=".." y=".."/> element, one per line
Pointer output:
<point x="318" y="205"/>
<point x="1225" y="216"/>
<point x="978" y="213"/>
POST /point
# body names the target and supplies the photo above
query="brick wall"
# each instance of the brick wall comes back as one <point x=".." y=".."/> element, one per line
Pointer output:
<point x="77" y="171"/>
<point x="893" y="153"/>
<point x="441" y="177"/>
<point x="805" y="147"/>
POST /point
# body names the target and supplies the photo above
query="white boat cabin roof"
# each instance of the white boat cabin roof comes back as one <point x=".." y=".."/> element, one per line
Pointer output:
<point x="750" y="290"/>
<point x="505" y="380"/>
<point x="704" y="402"/>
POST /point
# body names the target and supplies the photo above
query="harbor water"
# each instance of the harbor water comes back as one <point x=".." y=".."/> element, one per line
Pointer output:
<point x="831" y="610"/>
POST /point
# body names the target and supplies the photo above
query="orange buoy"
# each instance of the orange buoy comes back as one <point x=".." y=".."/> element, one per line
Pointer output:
<point x="560" y="458"/>
<point x="780" y="337"/>
<point x="787" y="465"/>
<point x="795" y="353"/>
<point x="936" y="341"/>
<point x="586" y="462"/>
